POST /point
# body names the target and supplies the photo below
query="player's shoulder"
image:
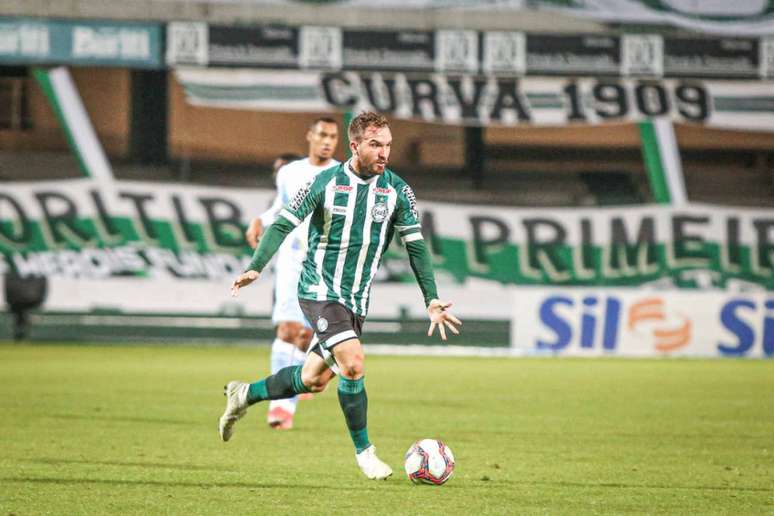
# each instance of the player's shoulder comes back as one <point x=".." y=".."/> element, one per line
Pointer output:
<point x="331" y="172"/>
<point x="289" y="169"/>
<point x="394" y="180"/>
<point x="321" y="179"/>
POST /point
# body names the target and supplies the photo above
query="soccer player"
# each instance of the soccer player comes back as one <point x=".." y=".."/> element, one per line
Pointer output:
<point x="293" y="333"/>
<point x="355" y="208"/>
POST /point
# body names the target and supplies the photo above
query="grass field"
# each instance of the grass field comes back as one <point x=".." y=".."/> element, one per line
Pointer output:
<point x="132" y="430"/>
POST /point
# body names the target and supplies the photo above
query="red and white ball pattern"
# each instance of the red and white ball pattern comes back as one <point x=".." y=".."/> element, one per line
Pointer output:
<point x="429" y="461"/>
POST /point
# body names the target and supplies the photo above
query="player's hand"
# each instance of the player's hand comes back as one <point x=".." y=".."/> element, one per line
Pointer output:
<point x="254" y="232"/>
<point x="441" y="318"/>
<point x="243" y="280"/>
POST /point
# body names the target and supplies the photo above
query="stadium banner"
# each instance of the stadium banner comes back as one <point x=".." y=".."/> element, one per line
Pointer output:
<point x="91" y="229"/>
<point x="60" y="90"/>
<point x="85" y="43"/>
<point x="500" y="53"/>
<point x="740" y="17"/>
<point x="486" y="100"/>
<point x="718" y="16"/>
<point x="638" y="322"/>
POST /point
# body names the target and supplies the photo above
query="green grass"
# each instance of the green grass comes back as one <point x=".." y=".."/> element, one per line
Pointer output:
<point x="132" y="430"/>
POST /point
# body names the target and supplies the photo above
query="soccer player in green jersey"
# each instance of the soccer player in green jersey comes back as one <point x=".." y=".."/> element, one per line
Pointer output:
<point x="355" y="208"/>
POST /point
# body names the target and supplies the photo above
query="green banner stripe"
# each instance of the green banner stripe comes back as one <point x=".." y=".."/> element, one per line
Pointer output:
<point x="544" y="101"/>
<point x="653" y="163"/>
<point x="256" y="92"/>
<point x="42" y="76"/>
<point x="751" y="104"/>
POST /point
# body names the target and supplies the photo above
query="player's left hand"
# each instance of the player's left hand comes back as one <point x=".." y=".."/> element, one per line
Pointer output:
<point x="441" y="318"/>
<point x="243" y="280"/>
<point x="254" y="232"/>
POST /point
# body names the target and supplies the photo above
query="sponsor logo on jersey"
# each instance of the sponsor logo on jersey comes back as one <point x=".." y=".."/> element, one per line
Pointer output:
<point x="383" y="191"/>
<point x="379" y="212"/>
<point x="409" y="193"/>
<point x="322" y="324"/>
<point x="343" y="188"/>
<point x="339" y="210"/>
<point x="301" y="194"/>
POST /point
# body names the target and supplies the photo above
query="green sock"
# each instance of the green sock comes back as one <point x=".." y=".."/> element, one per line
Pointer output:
<point x="285" y="383"/>
<point x="354" y="404"/>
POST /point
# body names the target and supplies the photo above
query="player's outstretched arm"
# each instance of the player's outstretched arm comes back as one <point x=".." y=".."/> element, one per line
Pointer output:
<point x="441" y="318"/>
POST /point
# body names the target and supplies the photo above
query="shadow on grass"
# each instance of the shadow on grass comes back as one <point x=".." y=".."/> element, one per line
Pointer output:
<point x="390" y="484"/>
<point x="171" y="483"/>
<point x="124" y="419"/>
<point x="498" y="484"/>
<point x="136" y="464"/>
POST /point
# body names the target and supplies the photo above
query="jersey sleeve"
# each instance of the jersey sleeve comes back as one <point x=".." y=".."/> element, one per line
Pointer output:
<point x="410" y="232"/>
<point x="305" y="200"/>
<point x="406" y="216"/>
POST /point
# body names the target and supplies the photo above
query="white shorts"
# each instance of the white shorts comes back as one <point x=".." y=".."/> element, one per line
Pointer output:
<point x="287" y="272"/>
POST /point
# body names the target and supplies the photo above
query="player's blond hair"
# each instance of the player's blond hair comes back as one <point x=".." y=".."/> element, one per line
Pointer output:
<point x="366" y="119"/>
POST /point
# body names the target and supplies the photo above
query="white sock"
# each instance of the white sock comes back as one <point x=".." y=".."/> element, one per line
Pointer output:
<point x="283" y="354"/>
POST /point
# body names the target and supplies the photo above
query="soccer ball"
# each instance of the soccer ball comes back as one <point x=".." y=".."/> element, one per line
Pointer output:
<point x="429" y="462"/>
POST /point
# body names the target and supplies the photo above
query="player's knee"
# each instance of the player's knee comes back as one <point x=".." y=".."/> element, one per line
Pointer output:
<point x="353" y="367"/>
<point x="314" y="382"/>
<point x="303" y="339"/>
<point x="288" y="331"/>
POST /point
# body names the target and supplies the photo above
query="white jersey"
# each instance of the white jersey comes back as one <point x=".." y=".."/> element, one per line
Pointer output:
<point x="290" y="179"/>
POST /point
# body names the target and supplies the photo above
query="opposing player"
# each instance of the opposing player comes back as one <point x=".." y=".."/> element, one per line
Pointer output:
<point x="354" y="209"/>
<point x="293" y="333"/>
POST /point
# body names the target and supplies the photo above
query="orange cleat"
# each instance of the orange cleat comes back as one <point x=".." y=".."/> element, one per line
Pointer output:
<point x="280" y="419"/>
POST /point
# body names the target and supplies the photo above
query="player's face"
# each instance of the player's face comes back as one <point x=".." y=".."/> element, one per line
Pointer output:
<point x="373" y="151"/>
<point x="322" y="138"/>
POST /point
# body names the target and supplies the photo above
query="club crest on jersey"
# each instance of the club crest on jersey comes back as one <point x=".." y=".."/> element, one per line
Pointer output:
<point x="379" y="212"/>
<point x="322" y="324"/>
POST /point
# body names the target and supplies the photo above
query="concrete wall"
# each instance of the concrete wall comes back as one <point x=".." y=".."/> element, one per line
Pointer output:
<point x="105" y="94"/>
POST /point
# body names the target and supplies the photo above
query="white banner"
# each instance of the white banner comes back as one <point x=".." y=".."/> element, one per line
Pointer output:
<point x="629" y="322"/>
<point x="733" y="18"/>
<point x="487" y="100"/>
<point x="739" y="17"/>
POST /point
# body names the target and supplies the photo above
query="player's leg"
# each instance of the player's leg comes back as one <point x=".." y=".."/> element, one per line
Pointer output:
<point x="354" y="404"/>
<point x="284" y="353"/>
<point x="313" y="376"/>
<point x="290" y="323"/>
<point x="337" y="342"/>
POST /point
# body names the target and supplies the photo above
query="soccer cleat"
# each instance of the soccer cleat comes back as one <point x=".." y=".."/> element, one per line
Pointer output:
<point x="280" y="419"/>
<point x="236" y="407"/>
<point x="371" y="465"/>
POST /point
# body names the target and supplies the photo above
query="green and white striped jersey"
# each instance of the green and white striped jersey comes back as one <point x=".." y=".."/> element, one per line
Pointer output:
<point x="352" y="223"/>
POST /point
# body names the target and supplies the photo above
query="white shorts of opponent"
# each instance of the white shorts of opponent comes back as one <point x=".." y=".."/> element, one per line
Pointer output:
<point x="287" y="273"/>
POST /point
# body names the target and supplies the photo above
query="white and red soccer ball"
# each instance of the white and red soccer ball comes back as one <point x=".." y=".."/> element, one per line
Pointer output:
<point x="429" y="461"/>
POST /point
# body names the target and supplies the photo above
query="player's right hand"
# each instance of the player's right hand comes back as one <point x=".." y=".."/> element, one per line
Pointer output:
<point x="254" y="232"/>
<point x="243" y="280"/>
